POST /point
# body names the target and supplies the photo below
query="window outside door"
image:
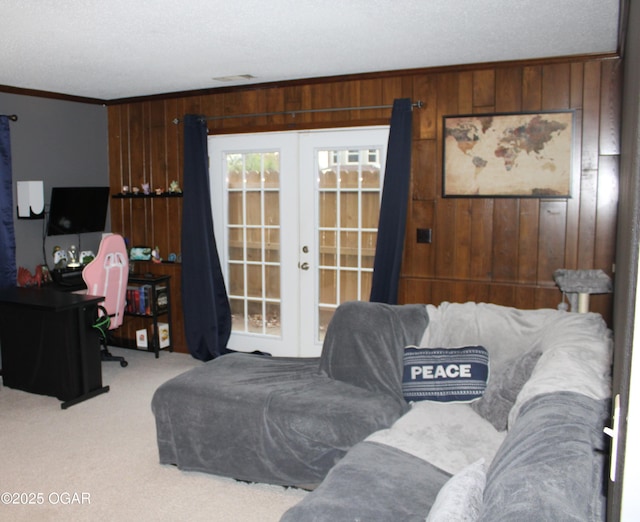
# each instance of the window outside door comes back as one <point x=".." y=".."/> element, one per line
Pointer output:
<point x="295" y="217"/>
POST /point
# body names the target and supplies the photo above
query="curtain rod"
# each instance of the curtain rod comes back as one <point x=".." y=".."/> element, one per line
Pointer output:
<point x="12" y="117"/>
<point x="417" y="105"/>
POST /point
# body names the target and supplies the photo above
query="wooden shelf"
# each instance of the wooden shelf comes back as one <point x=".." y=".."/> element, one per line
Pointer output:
<point x="143" y="196"/>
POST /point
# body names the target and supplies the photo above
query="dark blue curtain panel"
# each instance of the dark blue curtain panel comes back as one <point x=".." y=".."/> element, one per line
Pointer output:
<point x="8" y="272"/>
<point x="205" y="303"/>
<point x="393" y="208"/>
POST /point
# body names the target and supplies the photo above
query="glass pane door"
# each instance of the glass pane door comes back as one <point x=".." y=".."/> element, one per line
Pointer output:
<point x="254" y="203"/>
<point x="348" y="192"/>
<point x="253" y="228"/>
<point x="342" y="177"/>
<point x="295" y="217"/>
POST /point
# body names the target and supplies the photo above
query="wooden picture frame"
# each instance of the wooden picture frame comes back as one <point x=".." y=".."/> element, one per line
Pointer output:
<point x="508" y="155"/>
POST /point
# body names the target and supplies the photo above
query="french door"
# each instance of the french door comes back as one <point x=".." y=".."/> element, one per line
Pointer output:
<point x="295" y="216"/>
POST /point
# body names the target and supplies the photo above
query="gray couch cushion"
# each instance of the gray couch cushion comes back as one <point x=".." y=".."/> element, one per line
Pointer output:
<point x="460" y="499"/>
<point x="372" y="483"/>
<point x="365" y="342"/>
<point x="503" y="388"/>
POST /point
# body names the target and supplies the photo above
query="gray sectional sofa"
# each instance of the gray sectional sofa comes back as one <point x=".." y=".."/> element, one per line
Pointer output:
<point x="530" y="448"/>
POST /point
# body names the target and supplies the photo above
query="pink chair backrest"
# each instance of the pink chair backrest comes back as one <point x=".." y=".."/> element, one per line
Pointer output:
<point x="107" y="275"/>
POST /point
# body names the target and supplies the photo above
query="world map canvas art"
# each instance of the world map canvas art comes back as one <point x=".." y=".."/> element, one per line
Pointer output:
<point x="508" y="155"/>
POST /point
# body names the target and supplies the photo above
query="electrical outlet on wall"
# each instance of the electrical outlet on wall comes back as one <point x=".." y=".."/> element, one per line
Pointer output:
<point x="423" y="235"/>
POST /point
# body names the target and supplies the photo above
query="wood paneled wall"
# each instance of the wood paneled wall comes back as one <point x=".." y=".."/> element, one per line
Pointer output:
<point x="495" y="250"/>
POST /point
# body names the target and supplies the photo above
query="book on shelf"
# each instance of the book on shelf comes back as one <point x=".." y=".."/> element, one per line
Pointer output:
<point x="162" y="298"/>
<point x="142" y="300"/>
<point x="139" y="300"/>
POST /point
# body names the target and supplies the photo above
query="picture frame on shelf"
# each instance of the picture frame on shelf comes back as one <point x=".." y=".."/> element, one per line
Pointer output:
<point x="142" y="339"/>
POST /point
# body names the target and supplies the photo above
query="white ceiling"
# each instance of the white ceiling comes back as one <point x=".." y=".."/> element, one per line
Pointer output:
<point x="110" y="49"/>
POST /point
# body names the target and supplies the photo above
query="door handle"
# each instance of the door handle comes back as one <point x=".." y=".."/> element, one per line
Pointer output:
<point x="614" y="433"/>
<point x="303" y="266"/>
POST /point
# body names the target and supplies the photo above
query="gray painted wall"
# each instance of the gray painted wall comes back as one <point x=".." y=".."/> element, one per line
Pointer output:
<point x="65" y="144"/>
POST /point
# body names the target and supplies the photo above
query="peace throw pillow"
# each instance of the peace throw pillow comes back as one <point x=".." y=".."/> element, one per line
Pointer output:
<point x="445" y="374"/>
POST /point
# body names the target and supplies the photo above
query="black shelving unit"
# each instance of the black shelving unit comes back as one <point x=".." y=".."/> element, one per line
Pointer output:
<point x="149" y="297"/>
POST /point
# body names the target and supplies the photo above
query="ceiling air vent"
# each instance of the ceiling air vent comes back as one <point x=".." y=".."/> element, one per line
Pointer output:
<point x="234" y="78"/>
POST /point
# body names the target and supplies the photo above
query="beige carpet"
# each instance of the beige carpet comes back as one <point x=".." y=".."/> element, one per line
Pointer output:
<point x="98" y="460"/>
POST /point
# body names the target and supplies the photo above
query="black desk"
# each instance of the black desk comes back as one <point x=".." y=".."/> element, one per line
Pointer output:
<point x="48" y="345"/>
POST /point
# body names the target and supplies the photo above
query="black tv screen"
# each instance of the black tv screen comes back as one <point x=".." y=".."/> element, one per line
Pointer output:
<point x="76" y="210"/>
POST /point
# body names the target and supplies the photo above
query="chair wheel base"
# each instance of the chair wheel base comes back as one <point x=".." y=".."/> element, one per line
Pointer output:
<point x="105" y="355"/>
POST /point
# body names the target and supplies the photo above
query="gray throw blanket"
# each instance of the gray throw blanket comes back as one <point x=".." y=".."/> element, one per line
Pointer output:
<point x="288" y="421"/>
<point x="549" y="468"/>
<point x="551" y="465"/>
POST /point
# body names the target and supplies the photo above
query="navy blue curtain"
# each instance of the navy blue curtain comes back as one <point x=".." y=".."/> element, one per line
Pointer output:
<point x="393" y="207"/>
<point x="207" y="313"/>
<point x="8" y="272"/>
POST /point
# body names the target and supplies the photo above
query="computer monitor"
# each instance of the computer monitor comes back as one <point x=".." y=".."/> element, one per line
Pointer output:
<point x="76" y="210"/>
